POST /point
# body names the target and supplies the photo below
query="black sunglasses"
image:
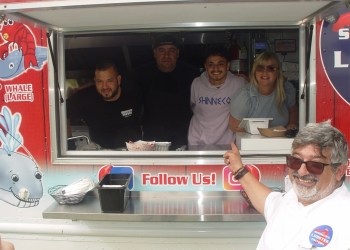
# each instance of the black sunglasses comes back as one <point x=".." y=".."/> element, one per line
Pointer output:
<point x="313" y="167"/>
<point x="268" y="68"/>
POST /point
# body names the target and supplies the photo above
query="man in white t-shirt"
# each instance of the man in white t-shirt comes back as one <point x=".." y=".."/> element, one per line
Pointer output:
<point x="314" y="213"/>
<point x="211" y="94"/>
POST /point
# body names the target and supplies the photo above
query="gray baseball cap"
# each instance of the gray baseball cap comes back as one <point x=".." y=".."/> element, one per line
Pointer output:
<point x="165" y="39"/>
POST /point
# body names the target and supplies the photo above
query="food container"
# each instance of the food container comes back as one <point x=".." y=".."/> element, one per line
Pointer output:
<point x="73" y="193"/>
<point x="251" y="125"/>
<point x="279" y="131"/>
<point x="114" y="192"/>
<point x="65" y="199"/>
<point x="162" y="146"/>
<point x="141" y="145"/>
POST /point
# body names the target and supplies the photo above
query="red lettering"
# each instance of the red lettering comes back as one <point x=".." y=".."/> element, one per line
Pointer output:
<point x="213" y="178"/>
<point x="145" y="178"/>
<point x="206" y="180"/>
<point x="201" y="179"/>
<point x="154" y="180"/>
<point x="196" y="178"/>
<point x="347" y="172"/>
<point x="163" y="179"/>
<point x="19" y="97"/>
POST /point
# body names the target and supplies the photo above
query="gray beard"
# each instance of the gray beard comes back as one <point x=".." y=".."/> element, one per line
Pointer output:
<point x="312" y="194"/>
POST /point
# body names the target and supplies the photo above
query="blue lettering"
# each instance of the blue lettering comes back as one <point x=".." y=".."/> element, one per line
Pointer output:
<point x="200" y="100"/>
<point x="214" y="100"/>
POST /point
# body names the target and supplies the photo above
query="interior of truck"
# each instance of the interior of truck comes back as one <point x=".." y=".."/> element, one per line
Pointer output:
<point x="133" y="49"/>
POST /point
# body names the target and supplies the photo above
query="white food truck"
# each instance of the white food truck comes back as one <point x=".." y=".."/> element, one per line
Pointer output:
<point x="178" y="199"/>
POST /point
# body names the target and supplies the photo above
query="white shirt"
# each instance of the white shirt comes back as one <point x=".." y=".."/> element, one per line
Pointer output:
<point x="211" y="108"/>
<point x="324" y="224"/>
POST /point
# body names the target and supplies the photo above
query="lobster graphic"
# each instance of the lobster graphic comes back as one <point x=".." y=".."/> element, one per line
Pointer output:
<point x="17" y="33"/>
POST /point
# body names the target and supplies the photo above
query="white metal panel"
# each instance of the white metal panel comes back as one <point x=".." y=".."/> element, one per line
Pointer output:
<point x="92" y="15"/>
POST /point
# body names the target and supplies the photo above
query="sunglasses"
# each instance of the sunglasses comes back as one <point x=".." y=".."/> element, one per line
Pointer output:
<point x="313" y="167"/>
<point x="268" y="68"/>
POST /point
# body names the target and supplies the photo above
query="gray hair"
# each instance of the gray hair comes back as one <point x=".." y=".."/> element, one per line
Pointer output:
<point x="324" y="136"/>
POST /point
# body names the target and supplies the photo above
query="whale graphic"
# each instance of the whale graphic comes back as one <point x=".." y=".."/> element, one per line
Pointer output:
<point x="20" y="176"/>
<point x="13" y="65"/>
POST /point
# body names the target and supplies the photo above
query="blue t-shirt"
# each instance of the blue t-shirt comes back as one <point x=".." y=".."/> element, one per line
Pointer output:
<point x="248" y="103"/>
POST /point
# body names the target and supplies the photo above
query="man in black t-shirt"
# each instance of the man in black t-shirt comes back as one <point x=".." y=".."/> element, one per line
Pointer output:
<point x="111" y="108"/>
<point x="166" y="86"/>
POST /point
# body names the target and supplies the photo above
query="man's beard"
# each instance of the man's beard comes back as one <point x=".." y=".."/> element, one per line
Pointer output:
<point x="311" y="194"/>
<point x="111" y="96"/>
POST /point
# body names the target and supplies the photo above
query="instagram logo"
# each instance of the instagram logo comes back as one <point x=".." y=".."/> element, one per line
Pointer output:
<point x="229" y="181"/>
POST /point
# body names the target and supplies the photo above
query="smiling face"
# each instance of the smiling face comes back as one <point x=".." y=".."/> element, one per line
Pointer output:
<point x="108" y="84"/>
<point x="217" y="68"/>
<point x="266" y="74"/>
<point x="309" y="187"/>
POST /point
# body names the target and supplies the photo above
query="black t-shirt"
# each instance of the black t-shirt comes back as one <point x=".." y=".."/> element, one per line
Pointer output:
<point x="166" y="101"/>
<point x="110" y="123"/>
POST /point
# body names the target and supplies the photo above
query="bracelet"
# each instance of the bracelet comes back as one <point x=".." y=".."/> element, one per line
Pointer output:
<point x="238" y="170"/>
<point x="241" y="173"/>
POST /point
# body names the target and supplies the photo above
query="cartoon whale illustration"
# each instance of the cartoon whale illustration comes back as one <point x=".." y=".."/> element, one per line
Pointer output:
<point x="20" y="176"/>
<point x="10" y="66"/>
<point x="13" y="64"/>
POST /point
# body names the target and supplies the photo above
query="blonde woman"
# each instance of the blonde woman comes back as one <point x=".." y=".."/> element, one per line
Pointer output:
<point x="267" y="96"/>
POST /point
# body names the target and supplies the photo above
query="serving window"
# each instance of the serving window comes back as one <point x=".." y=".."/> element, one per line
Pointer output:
<point x="133" y="49"/>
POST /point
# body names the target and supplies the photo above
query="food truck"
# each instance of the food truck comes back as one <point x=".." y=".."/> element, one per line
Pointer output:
<point x="175" y="199"/>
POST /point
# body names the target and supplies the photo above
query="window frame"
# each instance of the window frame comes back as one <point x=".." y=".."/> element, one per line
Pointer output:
<point x="58" y="120"/>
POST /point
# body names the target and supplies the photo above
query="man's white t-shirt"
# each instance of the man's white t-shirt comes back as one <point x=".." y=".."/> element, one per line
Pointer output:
<point x="324" y="224"/>
<point x="211" y="110"/>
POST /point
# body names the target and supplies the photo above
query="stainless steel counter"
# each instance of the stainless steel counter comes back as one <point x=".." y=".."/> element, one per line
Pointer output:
<point x="163" y="207"/>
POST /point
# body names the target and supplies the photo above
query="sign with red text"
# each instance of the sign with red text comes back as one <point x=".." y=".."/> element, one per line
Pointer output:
<point x="335" y="54"/>
<point x="187" y="178"/>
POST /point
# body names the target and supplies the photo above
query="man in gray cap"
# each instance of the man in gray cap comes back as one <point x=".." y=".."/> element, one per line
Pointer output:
<point x="166" y="85"/>
<point x="166" y="52"/>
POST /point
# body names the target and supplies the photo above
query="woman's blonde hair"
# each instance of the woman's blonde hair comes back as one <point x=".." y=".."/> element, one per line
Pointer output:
<point x="280" y="92"/>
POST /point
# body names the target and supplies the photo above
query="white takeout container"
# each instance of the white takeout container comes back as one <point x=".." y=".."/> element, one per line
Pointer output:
<point x="162" y="146"/>
<point x="278" y="131"/>
<point x="140" y="145"/>
<point x="251" y="125"/>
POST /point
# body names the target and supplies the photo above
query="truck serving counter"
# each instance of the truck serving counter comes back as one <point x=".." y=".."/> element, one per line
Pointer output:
<point x="163" y="207"/>
<point x="191" y="192"/>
